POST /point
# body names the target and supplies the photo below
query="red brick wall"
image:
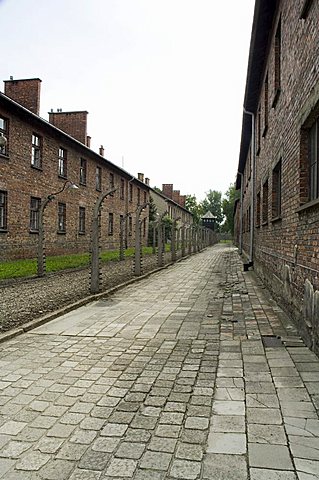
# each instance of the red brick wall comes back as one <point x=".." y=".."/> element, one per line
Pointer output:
<point x="293" y="238"/>
<point x="21" y="181"/>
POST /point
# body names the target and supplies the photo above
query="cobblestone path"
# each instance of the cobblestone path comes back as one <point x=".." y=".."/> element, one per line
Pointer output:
<point x="179" y="376"/>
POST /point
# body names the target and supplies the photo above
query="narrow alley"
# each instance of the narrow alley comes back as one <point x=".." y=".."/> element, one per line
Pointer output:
<point x="191" y="373"/>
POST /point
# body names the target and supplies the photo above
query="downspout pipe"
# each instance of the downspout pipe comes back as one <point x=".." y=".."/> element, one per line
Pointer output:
<point x="252" y="201"/>
<point x="241" y="213"/>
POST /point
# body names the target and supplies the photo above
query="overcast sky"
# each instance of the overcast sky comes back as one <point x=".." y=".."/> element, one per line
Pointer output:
<point x="163" y="80"/>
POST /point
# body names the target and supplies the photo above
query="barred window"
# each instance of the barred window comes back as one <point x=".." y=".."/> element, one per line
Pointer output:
<point x="98" y="178"/>
<point x="131" y="193"/>
<point x="36" y="151"/>
<point x="35" y="204"/>
<point x="81" y="220"/>
<point x="122" y="189"/>
<point x="62" y="162"/>
<point x="3" y="210"/>
<point x="265" y="203"/>
<point x="83" y="171"/>
<point x="4" y="132"/>
<point x="313" y="158"/>
<point x="276" y="191"/>
<point x="61" y="217"/>
<point x="111" y="225"/>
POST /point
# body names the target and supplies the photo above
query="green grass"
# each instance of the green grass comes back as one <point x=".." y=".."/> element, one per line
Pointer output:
<point x="28" y="267"/>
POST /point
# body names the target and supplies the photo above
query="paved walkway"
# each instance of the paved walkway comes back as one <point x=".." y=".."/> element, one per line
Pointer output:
<point x="175" y="377"/>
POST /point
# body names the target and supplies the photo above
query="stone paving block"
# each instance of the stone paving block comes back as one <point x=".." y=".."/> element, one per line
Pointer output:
<point x="310" y="467"/>
<point x="94" y="460"/>
<point x="71" y="451"/>
<point x="225" y="407"/>
<point x="5" y="465"/>
<point x="12" y="428"/>
<point x="228" y="423"/>
<point x="162" y="444"/>
<point x="114" y="430"/>
<point x="84" y="437"/>
<point x="189" y="451"/>
<point x="265" y="474"/>
<point x="275" y="457"/>
<point x="49" y="445"/>
<point x="224" y="467"/>
<point x="14" y="449"/>
<point x="130" y="450"/>
<point x="228" y="443"/>
<point x="80" y="474"/>
<point x="265" y="416"/>
<point x="106" y="444"/>
<point x="155" y="460"/>
<point x="185" y="469"/>
<point x="32" y="461"/>
<point x="121" y="467"/>
<point x="57" y="470"/>
<point x="197" y="423"/>
<point x="270" y="434"/>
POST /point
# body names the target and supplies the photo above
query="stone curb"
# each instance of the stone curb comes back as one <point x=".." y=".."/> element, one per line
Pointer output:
<point x="72" y="306"/>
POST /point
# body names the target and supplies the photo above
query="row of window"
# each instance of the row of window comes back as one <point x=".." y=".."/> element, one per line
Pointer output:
<point x="35" y="204"/>
<point x="36" y="162"/>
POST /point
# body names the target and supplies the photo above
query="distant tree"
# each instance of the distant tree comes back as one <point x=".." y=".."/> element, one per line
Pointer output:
<point x="195" y="208"/>
<point x="157" y="189"/>
<point x="167" y="222"/>
<point x="228" y="209"/>
<point x="213" y="203"/>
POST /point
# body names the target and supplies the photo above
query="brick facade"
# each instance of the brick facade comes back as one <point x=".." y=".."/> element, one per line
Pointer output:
<point x="29" y="173"/>
<point x="282" y="93"/>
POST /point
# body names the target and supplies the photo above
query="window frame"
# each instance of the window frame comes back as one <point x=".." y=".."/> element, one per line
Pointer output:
<point x="98" y="178"/>
<point x="122" y="189"/>
<point x="61" y="217"/>
<point x="276" y="194"/>
<point x="3" y="211"/>
<point x="36" y="151"/>
<point x="35" y="205"/>
<point x="83" y="171"/>
<point x="110" y="226"/>
<point x="82" y="220"/>
<point x="5" y="132"/>
<point x="265" y="202"/>
<point x="62" y="162"/>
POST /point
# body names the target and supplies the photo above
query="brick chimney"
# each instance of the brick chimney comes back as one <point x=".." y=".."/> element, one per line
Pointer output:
<point x="88" y="141"/>
<point x="140" y="176"/>
<point x="72" y="123"/>
<point x="25" y="91"/>
<point x="167" y="189"/>
<point x="176" y="195"/>
<point x="182" y="200"/>
<point x="147" y="181"/>
<point x="101" y="151"/>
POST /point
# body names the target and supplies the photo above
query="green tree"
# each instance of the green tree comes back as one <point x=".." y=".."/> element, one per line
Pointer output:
<point x="213" y="203"/>
<point x="228" y="204"/>
<point x="151" y="220"/>
<point x="195" y="208"/>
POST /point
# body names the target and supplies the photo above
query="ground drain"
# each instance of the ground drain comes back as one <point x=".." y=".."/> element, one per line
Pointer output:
<point x="271" y="341"/>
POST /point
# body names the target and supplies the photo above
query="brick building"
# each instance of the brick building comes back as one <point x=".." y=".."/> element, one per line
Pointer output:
<point x="277" y="219"/>
<point x="39" y="159"/>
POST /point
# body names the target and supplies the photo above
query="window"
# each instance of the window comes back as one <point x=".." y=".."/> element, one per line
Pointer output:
<point x="313" y="156"/>
<point x="258" y="210"/>
<point x="4" y="131"/>
<point x="131" y="193"/>
<point x="265" y="106"/>
<point x="36" y="151"/>
<point x="83" y="170"/>
<point x="111" y="224"/>
<point x="265" y="203"/>
<point x="138" y="196"/>
<point x="3" y="210"/>
<point x="276" y="191"/>
<point x="130" y="228"/>
<point x="145" y="197"/>
<point x="35" y="204"/>
<point x="98" y="178"/>
<point x="112" y="182"/>
<point x="122" y="188"/>
<point x="62" y="162"/>
<point x="61" y="217"/>
<point x="81" y="220"/>
<point x="277" y="63"/>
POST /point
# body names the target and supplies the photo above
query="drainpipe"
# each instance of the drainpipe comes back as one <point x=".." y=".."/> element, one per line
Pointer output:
<point x="252" y="201"/>
<point x="241" y="213"/>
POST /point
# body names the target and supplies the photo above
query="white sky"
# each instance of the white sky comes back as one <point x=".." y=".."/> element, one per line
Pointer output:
<point x="163" y="80"/>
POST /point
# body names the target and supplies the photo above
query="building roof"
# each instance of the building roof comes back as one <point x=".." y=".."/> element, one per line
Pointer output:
<point x="29" y="116"/>
<point x="209" y="215"/>
<point x="167" y="199"/>
<point x="264" y="15"/>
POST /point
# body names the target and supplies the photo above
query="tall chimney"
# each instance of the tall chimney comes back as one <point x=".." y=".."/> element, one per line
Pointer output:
<point x="140" y="176"/>
<point x="101" y="151"/>
<point x="88" y="141"/>
<point x="72" y="123"/>
<point x="176" y="195"/>
<point x="25" y="91"/>
<point x="167" y="189"/>
<point x="147" y="181"/>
